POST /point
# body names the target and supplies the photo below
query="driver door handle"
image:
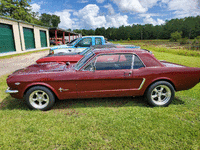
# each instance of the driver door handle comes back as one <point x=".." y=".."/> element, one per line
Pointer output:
<point x="127" y="73"/>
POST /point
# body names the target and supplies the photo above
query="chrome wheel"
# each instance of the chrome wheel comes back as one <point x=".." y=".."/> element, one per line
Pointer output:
<point x="39" y="99"/>
<point x="161" y="95"/>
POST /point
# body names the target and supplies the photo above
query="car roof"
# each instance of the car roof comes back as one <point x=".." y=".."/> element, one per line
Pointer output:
<point x="93" y="36"/>
<point x="119" y="50"/>
<point x="103" y="46"/>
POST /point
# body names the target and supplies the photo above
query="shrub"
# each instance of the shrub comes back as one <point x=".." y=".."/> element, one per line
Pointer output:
<point x="128" y="39"/>
<point x="198" y="37"/>
<point x="195" y="41"/>
<point x="175" y="36"/>
<point x="183" y="41"/>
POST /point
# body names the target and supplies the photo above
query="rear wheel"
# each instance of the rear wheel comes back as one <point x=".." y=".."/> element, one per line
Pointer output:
<point x="39" y="97"/>
<point x="160" y="93"/>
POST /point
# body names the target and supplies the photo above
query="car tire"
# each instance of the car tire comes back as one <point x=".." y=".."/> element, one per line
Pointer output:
<point x="39" y="97"/>
<point x="160" y="94"/>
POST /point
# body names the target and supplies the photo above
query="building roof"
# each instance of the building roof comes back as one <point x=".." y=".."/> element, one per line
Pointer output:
<point x="20" y="21"/>
<point x="60" y="31"/>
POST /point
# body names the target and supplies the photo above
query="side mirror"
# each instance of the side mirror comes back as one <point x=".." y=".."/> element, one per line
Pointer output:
<point x="76" y="45"/>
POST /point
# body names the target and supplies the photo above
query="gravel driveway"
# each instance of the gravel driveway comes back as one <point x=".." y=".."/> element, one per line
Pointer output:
<point x="11" y="64"/>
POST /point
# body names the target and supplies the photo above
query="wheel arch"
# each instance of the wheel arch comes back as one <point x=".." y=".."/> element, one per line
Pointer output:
<point x="43" y="85"/>
<point x="162" y="79"/>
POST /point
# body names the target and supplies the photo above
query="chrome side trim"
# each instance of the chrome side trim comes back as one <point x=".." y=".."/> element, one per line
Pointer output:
<point x="61" y="89"/>
<point x="11" y="91"/>
<point x="141" y="85"/>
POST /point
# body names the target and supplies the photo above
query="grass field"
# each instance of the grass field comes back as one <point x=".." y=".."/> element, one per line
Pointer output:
<point x="162" y="46"/>
<point x="107" y="123"/>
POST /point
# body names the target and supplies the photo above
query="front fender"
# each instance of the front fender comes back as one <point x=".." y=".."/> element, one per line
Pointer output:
<point x="39" y="84"/>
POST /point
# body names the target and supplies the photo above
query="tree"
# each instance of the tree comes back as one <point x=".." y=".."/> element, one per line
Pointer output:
<point x="49" y="20"/>
<point x="17" y="9"/>
<point x="176" y="36"/>
<point x="46" y="19"/>
<point x="55" y="20"/>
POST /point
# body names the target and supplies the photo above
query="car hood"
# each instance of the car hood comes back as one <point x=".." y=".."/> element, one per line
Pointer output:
<point x="60" y="47"/>
<point x="43" y="67"/>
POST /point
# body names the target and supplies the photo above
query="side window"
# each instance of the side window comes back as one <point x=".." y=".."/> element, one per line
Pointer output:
<point x="114" y="62"/>
<point x="98" y="41"/>
<point x="137" y="63"/>
<point x="90" y="66"/>
<point x="86" y="42"/>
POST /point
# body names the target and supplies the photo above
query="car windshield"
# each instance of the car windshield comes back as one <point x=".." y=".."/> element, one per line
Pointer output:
<point x="73" y="41"/>
<point x="81" y="62"/>
<point x="85" y="51"/>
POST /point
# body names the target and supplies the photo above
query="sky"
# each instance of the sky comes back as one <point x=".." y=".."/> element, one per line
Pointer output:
<point x="92" y="14"/>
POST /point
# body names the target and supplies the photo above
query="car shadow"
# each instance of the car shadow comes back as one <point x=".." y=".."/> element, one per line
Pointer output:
<point x="177" y="101"/>
<point x="10" y="103"/>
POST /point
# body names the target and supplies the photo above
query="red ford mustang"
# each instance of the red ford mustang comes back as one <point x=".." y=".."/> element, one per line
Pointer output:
<point x="102" y="73"/>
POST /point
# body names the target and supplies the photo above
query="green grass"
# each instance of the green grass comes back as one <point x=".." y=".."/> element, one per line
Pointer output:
<point x="19" y="54"/>
<point x="162" y="46"/>
<point x="107" y="123"/>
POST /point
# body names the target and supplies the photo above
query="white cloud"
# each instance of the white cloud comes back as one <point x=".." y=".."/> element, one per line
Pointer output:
<point x="100" y="1"/>
<point x="149" y="14"/>
<point x="66" y="21"/>
<point x="42" y="3"/>
<point x="130" y="6"/>
<point x="149" y="20"/>
<point x="160" y="21"/>
<point x="148" y="3"/>
<point x="82" y="1"/>
<point x="111" y="11"/>
<point x="140" y="6"/>
<point x="35" y="7"/>
<point x="165" y="1"/>
<point x="184" y="8"/>
<point x="89" y="16"/>
<point x="116" y="20"/>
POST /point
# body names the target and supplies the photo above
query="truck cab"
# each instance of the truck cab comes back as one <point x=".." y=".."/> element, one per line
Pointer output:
<point x="78" y="45"/>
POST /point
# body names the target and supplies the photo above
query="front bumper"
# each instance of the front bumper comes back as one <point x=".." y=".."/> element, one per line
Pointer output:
<point x="11" y="91"/>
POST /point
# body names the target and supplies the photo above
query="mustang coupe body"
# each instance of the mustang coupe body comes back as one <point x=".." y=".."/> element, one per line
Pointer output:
<point x="102" y="73"/>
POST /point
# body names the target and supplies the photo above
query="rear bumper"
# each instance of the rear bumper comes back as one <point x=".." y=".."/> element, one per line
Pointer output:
<point x="11" y="91"/>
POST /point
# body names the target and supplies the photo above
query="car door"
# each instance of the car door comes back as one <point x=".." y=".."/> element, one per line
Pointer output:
<point x="112" y="77"/>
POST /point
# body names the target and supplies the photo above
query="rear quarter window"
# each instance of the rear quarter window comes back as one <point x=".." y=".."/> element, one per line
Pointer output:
<point x="98" y="41"/>
<point x="149" y="60"/>
<point x="137" y="63"/>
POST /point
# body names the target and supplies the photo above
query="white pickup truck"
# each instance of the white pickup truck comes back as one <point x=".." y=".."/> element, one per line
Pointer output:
<point x="78" y="45"/>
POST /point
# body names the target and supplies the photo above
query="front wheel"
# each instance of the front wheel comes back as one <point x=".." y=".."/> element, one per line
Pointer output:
<point x="160" y="94"/>
<point x="39" y="97"/>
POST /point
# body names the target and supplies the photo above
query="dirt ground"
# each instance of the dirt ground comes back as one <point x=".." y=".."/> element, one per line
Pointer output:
<point x="11" y="64"/>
